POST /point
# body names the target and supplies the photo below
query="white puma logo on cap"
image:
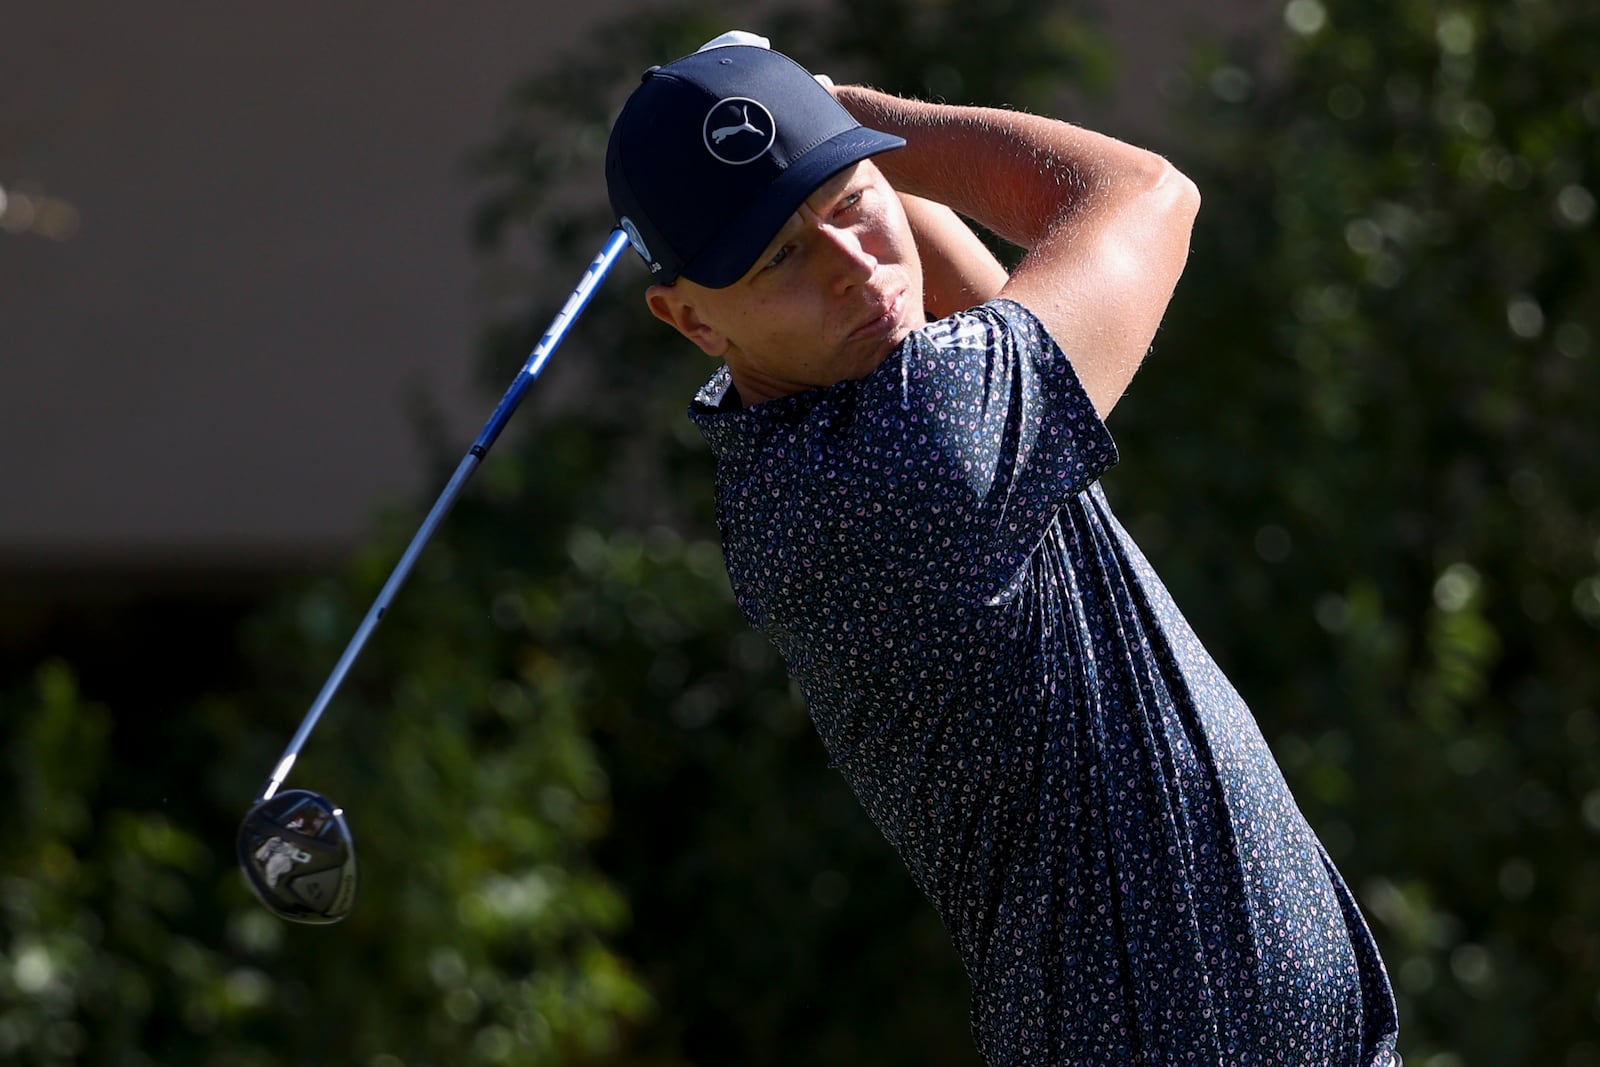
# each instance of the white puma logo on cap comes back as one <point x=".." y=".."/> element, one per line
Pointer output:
<point x="732" y="116"/>
<point x="722" y="133"/>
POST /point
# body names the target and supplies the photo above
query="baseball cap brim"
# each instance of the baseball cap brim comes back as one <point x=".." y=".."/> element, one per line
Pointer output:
<point x="731" y="254"/>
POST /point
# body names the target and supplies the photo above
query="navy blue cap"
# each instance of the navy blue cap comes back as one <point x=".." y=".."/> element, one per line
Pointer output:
<point x="713" y="153"/>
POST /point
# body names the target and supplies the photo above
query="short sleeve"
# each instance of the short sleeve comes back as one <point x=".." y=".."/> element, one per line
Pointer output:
<point x="989" y="432"/>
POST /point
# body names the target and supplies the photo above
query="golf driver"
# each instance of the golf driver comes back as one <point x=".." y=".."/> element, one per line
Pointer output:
<point x="295" y="847"/>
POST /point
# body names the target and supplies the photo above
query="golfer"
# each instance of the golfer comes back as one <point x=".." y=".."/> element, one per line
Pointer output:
<point x="908" y="446"/>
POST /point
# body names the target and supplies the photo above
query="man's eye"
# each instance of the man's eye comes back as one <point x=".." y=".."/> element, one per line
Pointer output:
<point x="850" y="201"/>
<point x="777" y="260"/>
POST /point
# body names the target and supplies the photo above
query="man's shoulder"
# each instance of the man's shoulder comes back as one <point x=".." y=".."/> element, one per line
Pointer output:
<point x="998" y="325"/>
<point x="979" y="322"/>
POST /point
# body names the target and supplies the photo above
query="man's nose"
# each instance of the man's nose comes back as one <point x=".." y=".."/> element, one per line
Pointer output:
<point x="849" y="261"/>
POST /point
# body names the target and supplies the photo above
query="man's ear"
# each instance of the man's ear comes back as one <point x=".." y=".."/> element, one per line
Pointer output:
<point x="673" y="306"/>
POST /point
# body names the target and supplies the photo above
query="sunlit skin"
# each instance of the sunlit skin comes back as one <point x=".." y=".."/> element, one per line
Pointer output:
<point x="830" y="297"/>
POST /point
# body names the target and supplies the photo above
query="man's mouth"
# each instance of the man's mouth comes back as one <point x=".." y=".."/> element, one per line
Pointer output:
<point x="886" y="321"/>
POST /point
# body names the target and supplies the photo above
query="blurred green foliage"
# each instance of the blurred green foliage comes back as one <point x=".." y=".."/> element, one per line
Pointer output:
<point x="1384" y="349"/>
<point x="594" y="825"/>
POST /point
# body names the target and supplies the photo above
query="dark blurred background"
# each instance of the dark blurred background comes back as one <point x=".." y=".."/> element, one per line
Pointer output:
<point x="262" y="277"/>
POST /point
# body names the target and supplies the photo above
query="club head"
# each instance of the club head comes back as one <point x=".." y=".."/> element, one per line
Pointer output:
<point x="297" y="854"/>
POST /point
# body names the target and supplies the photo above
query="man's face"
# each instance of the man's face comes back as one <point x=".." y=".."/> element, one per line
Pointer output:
<point x="833" y="294"/>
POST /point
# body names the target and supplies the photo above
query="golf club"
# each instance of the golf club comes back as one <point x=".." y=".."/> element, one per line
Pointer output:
<point x="295" y="848"/>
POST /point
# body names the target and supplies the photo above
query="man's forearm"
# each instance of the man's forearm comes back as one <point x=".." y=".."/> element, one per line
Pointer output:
<point x="1019" y="175"/>
<point x="958" y="270"/>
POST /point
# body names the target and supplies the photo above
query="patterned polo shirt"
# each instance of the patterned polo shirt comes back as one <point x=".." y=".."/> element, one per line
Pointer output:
<point x="1026" y="716"/>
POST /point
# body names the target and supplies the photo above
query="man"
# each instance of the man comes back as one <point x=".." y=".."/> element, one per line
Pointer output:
<point x="910" y="510"/>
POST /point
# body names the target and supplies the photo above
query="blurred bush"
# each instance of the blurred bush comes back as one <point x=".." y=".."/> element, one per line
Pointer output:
<point x="1362" y="455"/>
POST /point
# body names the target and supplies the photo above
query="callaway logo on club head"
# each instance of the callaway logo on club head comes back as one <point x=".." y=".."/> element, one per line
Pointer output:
<point x="738" y="130"/>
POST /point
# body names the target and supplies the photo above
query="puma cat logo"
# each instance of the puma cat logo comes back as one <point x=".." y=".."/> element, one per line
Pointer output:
<point x="722" y="133"/>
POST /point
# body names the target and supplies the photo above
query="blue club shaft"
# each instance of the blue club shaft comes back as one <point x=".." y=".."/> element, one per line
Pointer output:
<point x="553" y="336"/>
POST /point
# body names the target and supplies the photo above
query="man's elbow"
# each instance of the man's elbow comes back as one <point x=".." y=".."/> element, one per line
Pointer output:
<point x="1170" y="192"/>
<point x="1163" y="211"/>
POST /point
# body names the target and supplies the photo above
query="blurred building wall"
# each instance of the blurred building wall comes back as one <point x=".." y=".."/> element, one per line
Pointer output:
<point x="269" y="257"/>
<point x="252" y="256"/>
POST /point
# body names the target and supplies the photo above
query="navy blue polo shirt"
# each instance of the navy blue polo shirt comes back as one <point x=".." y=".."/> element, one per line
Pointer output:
<point x="1026" y="716"/>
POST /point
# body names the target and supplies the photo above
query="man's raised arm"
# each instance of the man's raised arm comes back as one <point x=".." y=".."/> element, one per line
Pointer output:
<point x="1106" y="225"/>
